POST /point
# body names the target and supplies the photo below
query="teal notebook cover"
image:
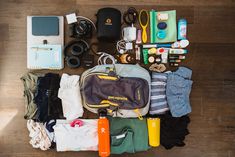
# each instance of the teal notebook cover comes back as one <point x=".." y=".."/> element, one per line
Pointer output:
<point x="45" y="57"/>
<point x="45" y="26"/>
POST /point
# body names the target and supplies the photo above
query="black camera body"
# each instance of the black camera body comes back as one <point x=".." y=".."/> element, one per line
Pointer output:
<point x="81" y="29"/>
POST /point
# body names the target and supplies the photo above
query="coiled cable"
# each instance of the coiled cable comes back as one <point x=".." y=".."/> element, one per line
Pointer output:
<point x="130" y="16"/>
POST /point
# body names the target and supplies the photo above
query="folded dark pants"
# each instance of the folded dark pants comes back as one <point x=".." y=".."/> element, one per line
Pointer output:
<point x="173" y="130"/>
<point x="49" y="105"/>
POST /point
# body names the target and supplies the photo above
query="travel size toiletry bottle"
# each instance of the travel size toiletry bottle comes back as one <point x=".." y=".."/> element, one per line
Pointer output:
<point x="103" y="134"/>
<point x="145" y="56"/>
<point x="180" y="44"/>
<point x="164" y="57"/>
<point x="182" y="29"/>
<point x="154" y="131"/>
<point x="177" y="51"/>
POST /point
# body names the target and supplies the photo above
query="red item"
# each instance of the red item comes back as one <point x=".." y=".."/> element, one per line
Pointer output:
<point x="161" y="50"/>
<point x="76" y="122"/>
<point x="103" y="137"/>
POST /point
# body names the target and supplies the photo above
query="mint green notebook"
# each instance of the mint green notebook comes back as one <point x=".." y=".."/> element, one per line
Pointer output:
<point x="171" y="30"/>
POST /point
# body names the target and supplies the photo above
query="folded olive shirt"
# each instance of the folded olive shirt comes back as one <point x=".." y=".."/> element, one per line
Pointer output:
<point x="29" y="81"/>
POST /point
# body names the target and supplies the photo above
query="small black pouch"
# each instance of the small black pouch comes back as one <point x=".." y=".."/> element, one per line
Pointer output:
<point x="108" y="24"/>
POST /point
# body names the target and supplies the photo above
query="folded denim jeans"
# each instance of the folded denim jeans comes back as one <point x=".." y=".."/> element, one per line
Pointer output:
<point x="178" y="89"/>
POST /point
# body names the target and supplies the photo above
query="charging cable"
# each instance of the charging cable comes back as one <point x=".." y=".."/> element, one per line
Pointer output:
<point x="123" y="46"/>
<point x="83" y="17"/>
<point x="104" y="57"/>
<point x="72" y="18"/>
<point x="130" y="16"/>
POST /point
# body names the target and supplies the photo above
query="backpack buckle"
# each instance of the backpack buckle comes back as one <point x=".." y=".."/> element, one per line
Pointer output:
<point x="137" y="111"/>
<point x="111" y="71"/>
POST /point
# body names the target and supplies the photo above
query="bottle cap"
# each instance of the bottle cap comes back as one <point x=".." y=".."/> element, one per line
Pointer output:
<point x="151" y="59"/>
<point x="161" y="34"/>
<point x="174" y="64"/>
<point x="102" y="112"/>
<point x="181" y="57"/>
<point x="158" y="60"/>
<point x="161" y="50"/>
<point x="153" y="50"/>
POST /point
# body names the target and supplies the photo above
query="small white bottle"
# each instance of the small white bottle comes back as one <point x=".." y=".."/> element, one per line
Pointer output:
<point x="177" y="51"/>
<point x="180" y="44"/>
<point x="164" y="57"/>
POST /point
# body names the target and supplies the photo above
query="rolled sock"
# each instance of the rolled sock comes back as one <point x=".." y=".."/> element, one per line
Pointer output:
<point x="69" y="93"/>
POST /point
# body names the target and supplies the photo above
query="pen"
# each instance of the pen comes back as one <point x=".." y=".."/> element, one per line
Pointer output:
<point x="41" y="48"/>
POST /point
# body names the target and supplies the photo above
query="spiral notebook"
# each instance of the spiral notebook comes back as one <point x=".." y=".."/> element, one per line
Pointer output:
<point x="45" y="57"/>
<point x="50" y="55"/>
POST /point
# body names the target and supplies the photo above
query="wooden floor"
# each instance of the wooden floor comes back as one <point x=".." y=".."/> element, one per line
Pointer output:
<point x="211" y="57"/>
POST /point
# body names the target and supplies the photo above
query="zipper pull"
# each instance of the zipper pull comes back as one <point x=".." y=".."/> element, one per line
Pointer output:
<point x="137" y="111"/>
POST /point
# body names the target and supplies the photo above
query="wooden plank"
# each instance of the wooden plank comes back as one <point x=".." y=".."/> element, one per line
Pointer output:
<point x="211" y="57"/>
<point x="211" y="33"/>
<point x="216" y="15"/>
<point x="160" y="2"/>
<point x="4" y="31"/>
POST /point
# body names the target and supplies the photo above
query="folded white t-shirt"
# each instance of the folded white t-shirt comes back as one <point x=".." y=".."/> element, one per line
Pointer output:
<point x="76" y="138"/>
<point x="69" y="93"/>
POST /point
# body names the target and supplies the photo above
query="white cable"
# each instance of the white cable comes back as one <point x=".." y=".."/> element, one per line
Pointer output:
<point x="123" y="46"/>
<point x="83" y="17"/>
<point x="104" y="57"/>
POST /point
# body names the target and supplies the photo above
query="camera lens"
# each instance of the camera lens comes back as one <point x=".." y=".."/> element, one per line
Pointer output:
<point x="81" y="28"/>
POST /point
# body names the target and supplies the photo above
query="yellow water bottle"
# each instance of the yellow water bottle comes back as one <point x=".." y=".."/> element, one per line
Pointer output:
<point x="154" y="131"/>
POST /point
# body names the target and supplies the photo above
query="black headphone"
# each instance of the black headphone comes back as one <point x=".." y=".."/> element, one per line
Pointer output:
<point x="76" y="48"/>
